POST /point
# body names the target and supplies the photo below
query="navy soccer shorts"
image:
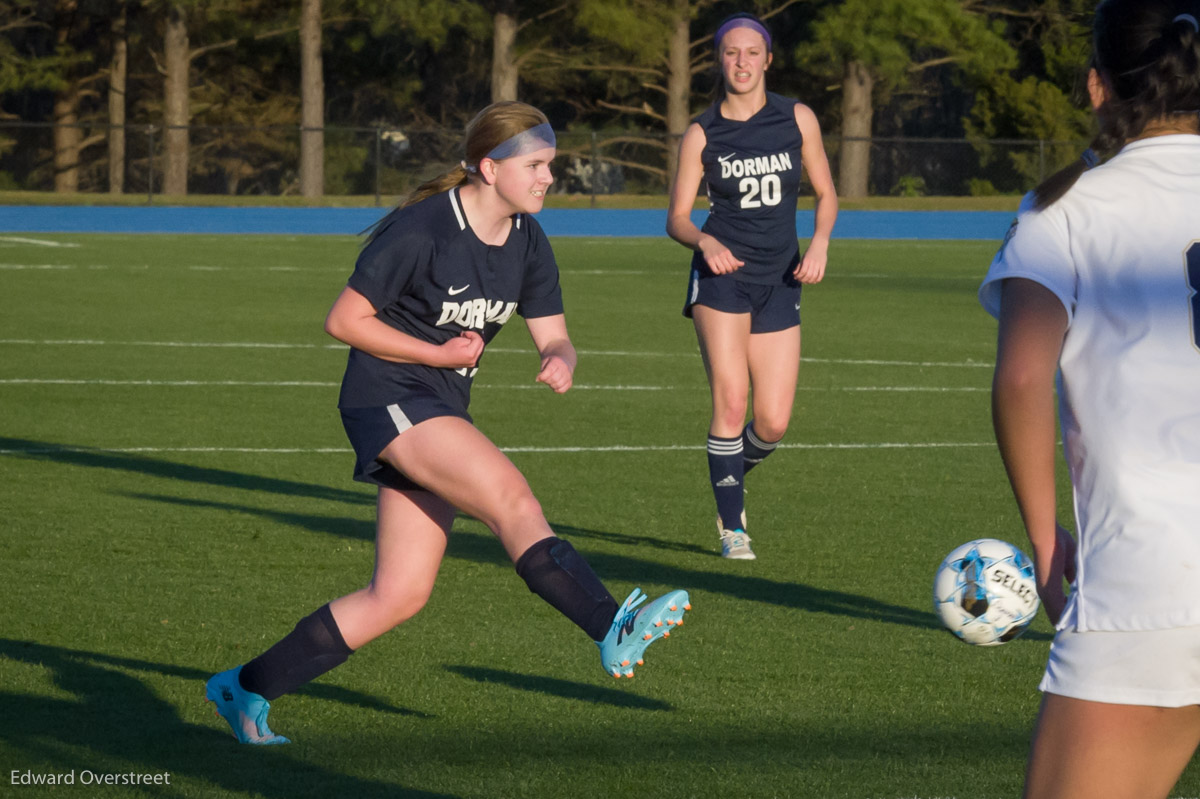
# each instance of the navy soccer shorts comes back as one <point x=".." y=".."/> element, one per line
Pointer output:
<point x="371" y="430"/>
<point x="771" y="308"/>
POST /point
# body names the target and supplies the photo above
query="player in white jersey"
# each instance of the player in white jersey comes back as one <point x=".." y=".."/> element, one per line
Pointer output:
<point x="438" y="278"/>
<point x="1098" y="283"/>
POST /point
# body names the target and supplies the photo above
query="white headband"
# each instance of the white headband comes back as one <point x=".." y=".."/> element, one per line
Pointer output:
<point x="1189" y="19"/>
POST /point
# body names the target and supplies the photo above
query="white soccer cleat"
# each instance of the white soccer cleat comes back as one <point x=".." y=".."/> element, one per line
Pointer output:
<point x="735" y="545"/>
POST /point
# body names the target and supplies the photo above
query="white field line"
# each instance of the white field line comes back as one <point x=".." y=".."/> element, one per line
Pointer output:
<point x="896" y="445"/>
<point x="38" y="242"/>
<point x="608" y="272"/>
<point x="286" y="268"/>
<point x="85" y="342"/>
<point x="342" y="268"/>
<point x="968" y="364"/>
<point x="67" y="267"/>
<point x="37" y="381"/>
<point x="862" y="362"/>
<point x="34" y="381"/>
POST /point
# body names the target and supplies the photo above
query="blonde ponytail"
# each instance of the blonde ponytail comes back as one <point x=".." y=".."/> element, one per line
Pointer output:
<point x="490" y="127"/>
<point x="444" y="182"/>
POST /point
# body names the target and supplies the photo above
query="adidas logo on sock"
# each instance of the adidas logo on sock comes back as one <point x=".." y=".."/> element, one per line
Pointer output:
<point x="727" y="482"/>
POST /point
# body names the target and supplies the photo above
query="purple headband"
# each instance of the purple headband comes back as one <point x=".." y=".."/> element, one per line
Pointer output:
<point x="742" y="22"/>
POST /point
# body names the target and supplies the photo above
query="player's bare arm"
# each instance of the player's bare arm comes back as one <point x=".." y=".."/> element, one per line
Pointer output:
<point x="352" y="321"/>
<point x="680" y="227"/>
<point x="1033" y="324"/>
<point x="557" y="353"/>
<point x="811" y="268"/>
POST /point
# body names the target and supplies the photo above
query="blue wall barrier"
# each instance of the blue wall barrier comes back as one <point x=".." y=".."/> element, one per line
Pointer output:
<point x="960" y="225"/>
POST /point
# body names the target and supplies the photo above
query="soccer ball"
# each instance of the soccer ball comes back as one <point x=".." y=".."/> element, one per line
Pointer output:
<point x="985" y="592"/>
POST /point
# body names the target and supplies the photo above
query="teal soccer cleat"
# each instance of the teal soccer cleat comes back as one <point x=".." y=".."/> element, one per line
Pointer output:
<point x="634" y="630"/>
<point x="246" y="712"/>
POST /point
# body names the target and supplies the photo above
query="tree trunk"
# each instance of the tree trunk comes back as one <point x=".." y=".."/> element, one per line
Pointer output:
<point x="679" y="83"/>
<point x="504" y="67"/>
<point x="67" y="136"/>
<point x="175" y="102"/>
<point x="117" y="82"/>
<point x="855" y="168"/>
<point x="312" y="102"/>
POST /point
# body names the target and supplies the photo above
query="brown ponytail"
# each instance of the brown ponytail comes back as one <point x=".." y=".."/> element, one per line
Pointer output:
<point x="1051" y="190"/>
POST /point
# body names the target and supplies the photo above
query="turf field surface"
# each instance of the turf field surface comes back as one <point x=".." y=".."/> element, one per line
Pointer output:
<point x="176" y="494"/>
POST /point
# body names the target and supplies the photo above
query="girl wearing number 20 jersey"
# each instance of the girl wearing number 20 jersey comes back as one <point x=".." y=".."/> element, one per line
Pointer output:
<point x="744" y="293"/>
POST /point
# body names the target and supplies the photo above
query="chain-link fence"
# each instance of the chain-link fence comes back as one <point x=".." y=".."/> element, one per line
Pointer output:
<point x="388" y="162"/>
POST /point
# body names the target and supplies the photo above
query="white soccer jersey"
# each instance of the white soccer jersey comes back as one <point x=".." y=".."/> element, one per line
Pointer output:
<point x="1121" y="250"/>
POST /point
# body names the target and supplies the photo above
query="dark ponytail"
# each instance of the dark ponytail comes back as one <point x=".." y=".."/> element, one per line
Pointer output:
<point x="1148" y="54"/>
<point x="1050" y="190"/>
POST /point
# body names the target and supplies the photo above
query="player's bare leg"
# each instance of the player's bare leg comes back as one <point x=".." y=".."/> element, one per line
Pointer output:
<point x="724" y="340"/>
<point x="774" y="361"/>
<point x="452" y="458"/>
<point x="1095" y="750"/>
<point x="410" y="541"/>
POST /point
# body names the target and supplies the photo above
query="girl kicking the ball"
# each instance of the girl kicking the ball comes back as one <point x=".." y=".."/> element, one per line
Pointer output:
<point x="438" y="278"/>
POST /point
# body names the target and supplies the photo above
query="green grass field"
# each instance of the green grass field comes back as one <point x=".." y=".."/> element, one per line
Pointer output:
<point x="176" y="494"/>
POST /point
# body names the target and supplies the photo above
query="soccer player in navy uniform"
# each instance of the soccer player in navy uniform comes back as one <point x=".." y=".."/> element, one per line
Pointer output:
<point x="433" y="285"/>
<point x="1097" y="292"/>
<point x="744" y="292"/>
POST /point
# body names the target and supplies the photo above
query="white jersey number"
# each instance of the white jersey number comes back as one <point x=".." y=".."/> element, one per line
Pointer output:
<point x="768" y="187"/>
<point x="1193" y="278"/>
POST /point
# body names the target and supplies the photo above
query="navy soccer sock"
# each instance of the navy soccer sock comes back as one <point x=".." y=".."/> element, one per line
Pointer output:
<point x="314" y="647"/>
<point x="726" y="472"/>
<point x="754" y="449"/>
<point x="558" y="574"/>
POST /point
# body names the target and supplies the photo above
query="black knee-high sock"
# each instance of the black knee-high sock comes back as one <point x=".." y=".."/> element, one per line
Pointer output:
<point x="314" y="647"/>
<point x="754" y="449"/>
<point x="558" y="574"/>
<point x="726" y="472"/>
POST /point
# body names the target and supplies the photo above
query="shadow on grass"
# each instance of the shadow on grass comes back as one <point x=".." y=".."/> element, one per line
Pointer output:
<point x="114" y="723"/>
<point x="129" y="462"/>
<point x="341" y="526"/>
<point x="95" y="458"/>
<point x="561" y="688"/>
<point x="484" y="548"/>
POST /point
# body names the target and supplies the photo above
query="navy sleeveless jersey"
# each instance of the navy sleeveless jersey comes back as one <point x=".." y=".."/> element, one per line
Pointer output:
<point x="427" y="274"/>
<point x="752" y="171"/>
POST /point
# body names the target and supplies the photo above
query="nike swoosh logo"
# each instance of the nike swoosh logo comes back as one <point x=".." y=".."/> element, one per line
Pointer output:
<point x="452" y="291"/>
<point x="725" y="158"/>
